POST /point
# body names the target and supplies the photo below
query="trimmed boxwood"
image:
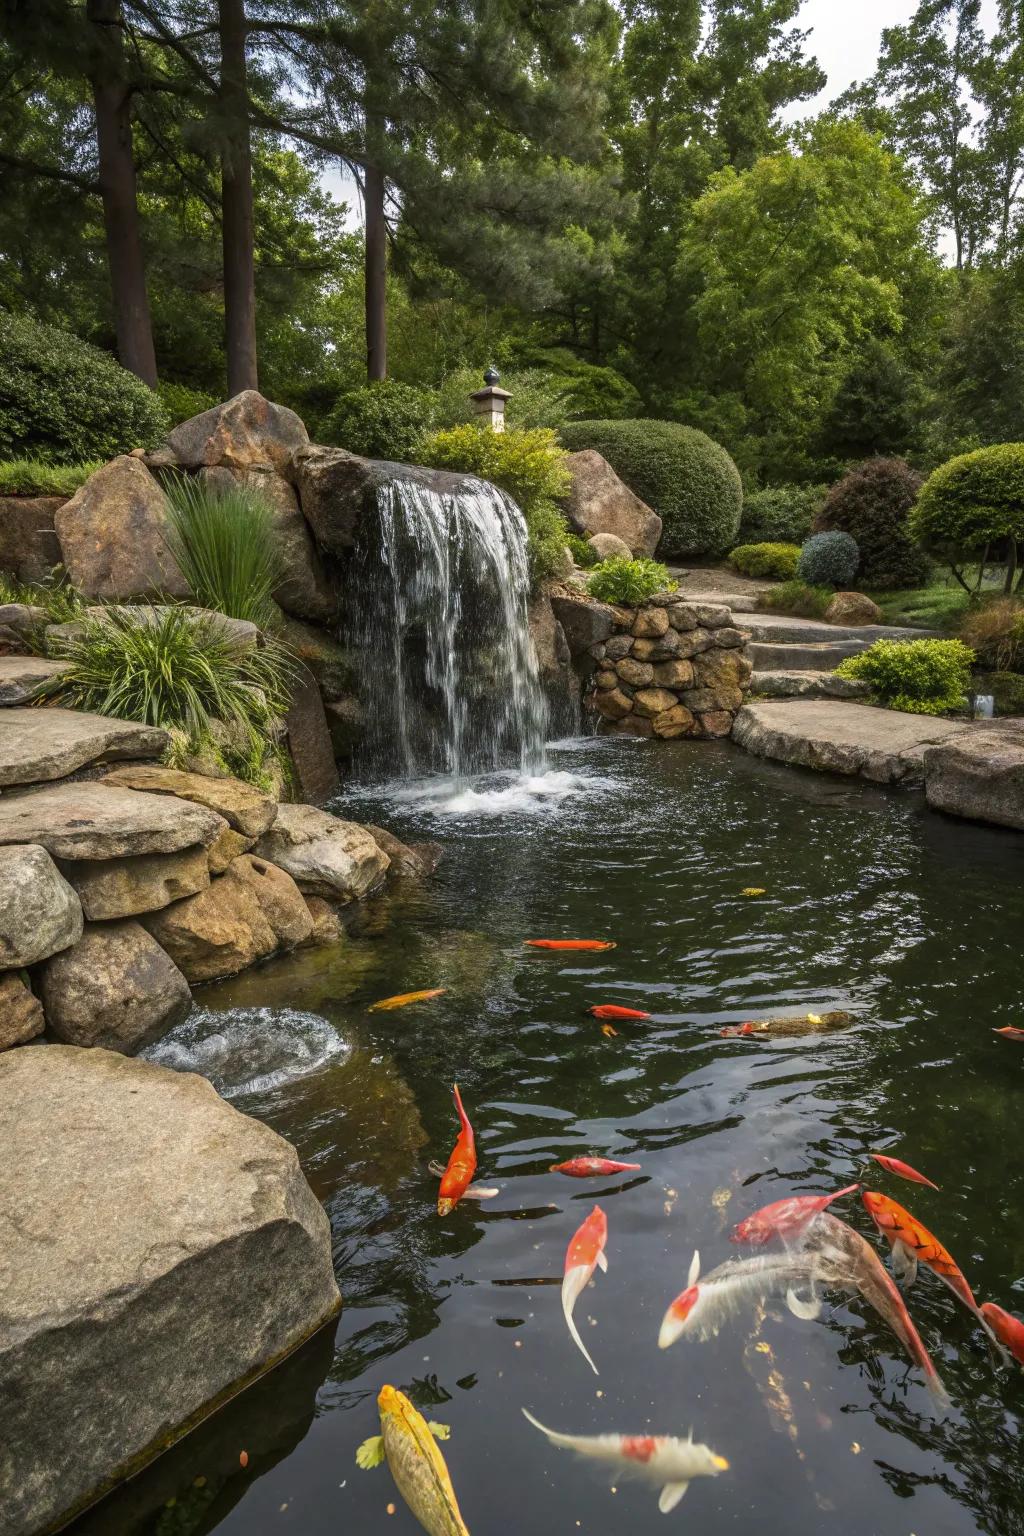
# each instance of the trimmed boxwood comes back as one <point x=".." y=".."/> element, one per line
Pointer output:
<point x="972" y="507"/>
<point x="64" y="401"/>
<point x="774" y="560"/>
<point x="689" y="480"/>
<point x="872" y="503"/>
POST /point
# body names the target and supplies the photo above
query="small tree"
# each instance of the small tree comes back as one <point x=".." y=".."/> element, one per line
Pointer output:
<point x="872" y="503"/>
<point x="972" y="508"/>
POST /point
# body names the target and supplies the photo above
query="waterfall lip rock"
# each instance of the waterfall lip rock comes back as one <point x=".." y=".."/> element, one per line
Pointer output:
<point x="336" y="487"/>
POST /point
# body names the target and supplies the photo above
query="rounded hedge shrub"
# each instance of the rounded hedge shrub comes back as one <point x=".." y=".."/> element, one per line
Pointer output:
<point x="780" y="514"/>
<point x="64" y="401"/>
<point x="777" y="560"/>
<point x="384" y="420"/>
<point x="923" y="677"/>
<point x="872" y="503"/>
<point x="690" y="481"/>
<point x="973" y="504"/>
<point x="828" y="560"/>
<point x="628" y="581"/>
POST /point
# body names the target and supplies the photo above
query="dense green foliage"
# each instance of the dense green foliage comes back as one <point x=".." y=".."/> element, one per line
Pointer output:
<point x="224" y="543"/>
<point x="798" y="598"/>
<point x="872" y="503"/>
<point x="64" y="401"/>
<point x="923" y="677"/>
<point x="690" y="482"/>
<point x="974" y="506"/>
<point x="776" y="560"/>
<point x="180" y="401"/>
<point x="828" y="559"/>
<point x="780" y="514"/>
<point x="995" y="632"/>
<point x="35" y="477"/>
<point x="582" y="551"/>
<point x="628" y="581"/>
<point x="382" y="421"/>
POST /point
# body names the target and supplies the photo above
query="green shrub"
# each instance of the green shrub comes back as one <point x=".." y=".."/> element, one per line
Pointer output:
<point x="797" y="598"/>
<point x="973" y="506"/>
<point x="181" y="403"/>
<point x="582" y="552"/>
<point x="780" y="514"/>
<point x="65" y="402"/>
<point x="872" y="503"/>
<point x="995" y="632"/>
<point x="630" y="582"/>
<point x="690" y="481"/>
<point x="777" y="560"/>
<point x="828" y="559"/>
<point x="528" y="465"/>
<point x="384" y="420"/>
<point x="924" y="677"/>
<point x="33" y="477"/>
<point x="223" y="541"/>
<point x="1006" y="688"/>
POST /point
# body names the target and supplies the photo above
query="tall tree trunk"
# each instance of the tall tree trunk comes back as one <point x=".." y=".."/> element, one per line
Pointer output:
<point x="112" y="98"/>
<point x="236" y="204"/>
<point x="376" y="273"/>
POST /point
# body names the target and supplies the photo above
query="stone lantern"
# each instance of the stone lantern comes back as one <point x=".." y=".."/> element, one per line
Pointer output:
<point x="489" y="402"/>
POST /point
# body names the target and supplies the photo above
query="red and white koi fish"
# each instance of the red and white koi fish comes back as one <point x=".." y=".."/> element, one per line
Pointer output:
<point x="1010" y="1032"/>
<point x="592" y="944"/>
<point x="1009" y="1330"/>
<point x="592" y="1167"/>
<point x="584" y="1254"/>
<point x="786" y="1219"/>
<point x="658" y="1458"/>
<point x="902" y="1170"/>
<point x="458" y="1175"/>
<point x="613" y="1011"/>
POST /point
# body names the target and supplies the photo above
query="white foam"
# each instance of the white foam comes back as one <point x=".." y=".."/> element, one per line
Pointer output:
<point x="246" y="1051"/>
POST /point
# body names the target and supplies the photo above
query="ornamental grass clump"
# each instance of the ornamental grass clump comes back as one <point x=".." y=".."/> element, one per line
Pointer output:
<point x="798" y="598"/>
<point x="629" y="582"/>
<point x="828" y="560"/>
<point x="774" y="560"/>
<point x="223" y="540"/>
<point x="995" y="632"/>
<point x="922" y="677"/>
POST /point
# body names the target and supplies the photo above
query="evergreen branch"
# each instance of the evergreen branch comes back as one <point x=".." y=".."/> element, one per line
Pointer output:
<point x="49" y="172"/>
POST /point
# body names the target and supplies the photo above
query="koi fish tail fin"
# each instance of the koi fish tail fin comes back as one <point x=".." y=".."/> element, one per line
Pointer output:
<point x="1000" y="1354"/>
<point x="670" y="1496"/>
<point x="568" y="1302"/>
<point x="552" y="1434"/>
<point x="807" y="1310"/>
<point x="463" y="1117"/>
<point x="939" y="1395"/>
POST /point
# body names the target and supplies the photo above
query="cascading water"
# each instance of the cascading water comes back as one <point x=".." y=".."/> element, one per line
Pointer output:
<point x="440" y="626"/>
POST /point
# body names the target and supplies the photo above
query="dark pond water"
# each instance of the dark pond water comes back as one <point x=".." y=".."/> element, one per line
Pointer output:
<point x="911" y="922"/>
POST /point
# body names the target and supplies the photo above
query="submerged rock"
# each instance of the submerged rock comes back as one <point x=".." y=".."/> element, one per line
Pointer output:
<point x="162" y="1251"/>
<point x="116" y="988"/>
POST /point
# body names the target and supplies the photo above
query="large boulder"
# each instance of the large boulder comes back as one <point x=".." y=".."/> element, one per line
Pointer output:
<point x="39" y="912"/>
<point x="21" y="1013"/>
<point x="335" y="488"/>
<point x="324" y="855"/>
<point x="304" y="587"/>
<point x="219" y="932"/>
<point x="242" y="806"/>
<point x="599" y="502"/>
<point x="585" y="622"/>
<point x="116" y="988"/>
<point x="100" y="821"/>
<point x="280" y="899"/>
<point x="853" y="608"/>
<point x="979" y="775"/>
<point x="309" y="740"/>
<point x="112" y="888"/>
<point x="113" y="535"/>
<point x="29" y="548"/>
<point x="43" y="744"/>
<point x="161" y="1251"/>
<point x="245" y="430"/>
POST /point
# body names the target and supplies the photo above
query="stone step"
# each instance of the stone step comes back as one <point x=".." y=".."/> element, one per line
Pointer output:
<point x="22" y="678"/>
<point x="883" y="745"/>
<point x="807" y="685"/>
<point x="739" y="602"/>
<point x="783" y="628"/>
<point x="788" y="657"/>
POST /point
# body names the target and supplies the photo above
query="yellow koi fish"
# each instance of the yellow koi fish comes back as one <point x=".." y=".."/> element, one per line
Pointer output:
<point x="406" y="1441"/>
<point x="403" y="999"/>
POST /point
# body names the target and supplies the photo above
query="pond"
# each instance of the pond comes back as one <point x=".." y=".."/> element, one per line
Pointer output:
<point x="872" y="904"/>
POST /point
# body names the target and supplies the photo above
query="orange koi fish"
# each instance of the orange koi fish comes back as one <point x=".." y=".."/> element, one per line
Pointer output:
<point x="902" y="1170"/>
<point x="584" y="1254"/>
<point x="403" y="999"/>
<point x="787" y="1219"/>
<point x="613" y="1011"/>
<point x="458" y="1175"/>
<point x="1008" y="1330"/>
<point x="592" y="1167"/>
<point x="592" y="944"/>
<point x="1009" y="1032"/>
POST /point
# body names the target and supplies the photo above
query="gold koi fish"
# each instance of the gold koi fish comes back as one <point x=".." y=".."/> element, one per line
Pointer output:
<point x="406" y="1441"/>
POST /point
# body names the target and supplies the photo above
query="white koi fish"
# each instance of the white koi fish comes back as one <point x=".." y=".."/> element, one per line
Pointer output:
<point x="658" y="1458"/>
<point x="703" y="1309"/>
<point x="584" y="1254"/>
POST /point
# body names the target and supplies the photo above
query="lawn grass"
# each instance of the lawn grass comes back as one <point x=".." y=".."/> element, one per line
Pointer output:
<point x="939" y="605"/>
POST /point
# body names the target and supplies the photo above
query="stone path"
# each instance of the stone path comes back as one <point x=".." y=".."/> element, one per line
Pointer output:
<point x="837" y="736"/>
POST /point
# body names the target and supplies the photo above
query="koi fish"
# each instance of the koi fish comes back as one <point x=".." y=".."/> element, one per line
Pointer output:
<point x="799" y="1024"/>
<point x="753" y="890"/>
<point x="471" y="1191"/>
<point x="584" y="1254"/>
<point x="403" y="999"/>
<point x="613" y="1011"/>
<point x="1008" y="1330"/>
<point x="787" y="1219"/>
<point x="592" y="1167"/>
<point x="406" y="1441"/>
<point x="593" y="944"/>
<point x="902" y="1170"/>
<point x="1009" y="1032"/>
<point x="458" y="1175"/>
<point x="660" y="1458"/>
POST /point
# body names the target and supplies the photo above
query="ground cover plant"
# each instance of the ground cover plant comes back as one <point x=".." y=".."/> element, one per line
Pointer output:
<point x="798" y="598"/>
<point x="35" y="477"/>
<point x="628" y="581"/>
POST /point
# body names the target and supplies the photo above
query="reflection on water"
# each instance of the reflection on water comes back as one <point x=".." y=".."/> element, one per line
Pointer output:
<point x="910" y="922"/>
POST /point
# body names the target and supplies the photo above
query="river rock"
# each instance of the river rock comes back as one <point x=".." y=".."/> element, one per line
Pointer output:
<point x="113" y="536"/>
<point x="716" y="722"/>
<point x="605" y="678"/>
<point x="712" y="615"/>
<point x="600" y="503"/>
<point x="39" y="912"/>
<point x="693" y="641"/>
<point x="413" y="860"/>
<point x="637" y="725"/>
<point x="43" y="744"/>
<point x="852" y="608"/>
<point x="979" y="775"/>
<point x="637" y="673"/>
<point x="115" y="988"/>
<point x="658" y="650"/>
<point x="219" y="932"/>
<point x="29" y="548"/>
<point x="585" y="622"/>
<point x="674" y="722"/>
<point x="722" y="669"/>
<point x="247" y="809"/>
<point x="324" y="855"/>
<point x="99" y="821"/>
<point x="23" y="678"/>
<point x="673" y="674"/>
<point x="607" y="546"/>
<point x="246" y="430"/>
<point x="650" y="623"/>
<point x="113" y="888"/>
<point x="654" y="701"/>
<point x="682" y="616"/>
<point x="613" y="704"/>
<point x="729" y="636"/>
<point x="279" y="897"/>
<point x="304" y="589"/>
<point x="161" y="1251"/>
<point x="618" y="646"/>
<point x="21" y="1020"/>
<point x="709" y="700"/>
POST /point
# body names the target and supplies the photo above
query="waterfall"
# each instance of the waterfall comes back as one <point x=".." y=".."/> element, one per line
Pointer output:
<point x="439" y="622"/>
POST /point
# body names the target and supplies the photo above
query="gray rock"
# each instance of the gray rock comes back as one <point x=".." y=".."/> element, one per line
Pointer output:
<point x="23" y="678"/>
<point x="412" y="860"/>
<point x="39" y="912"/>
<point x="247" y="809"/>
<point x="614" y="704"/>
<point x="21" y="1014"/>
<point x="305" y="589"/>
<point x="245" y="430"/>
<point x="607" y="546"/>
<point x="37" y="745"/>
<point x="554" y="665"/>
<point x="113" y="888"/>
<point x="17" y="622"/>
<point x="335" y="487"/>
<point x="114" y="535"/>
<point x="808" y="685"/>
<point x="99" y="821"/>
<point x="727" y="637"/>
<point x="711" y="615"/>
<point x="585" y="622"/>
<point x="599" y="502"/>
<point x="883" y="745"/>
<point x="28" y="544"/>
<point x="618" y="646"/>
<point x="324" y="855"/>
<point x="161" y="1251"/>
<point x="638" y="673"/>
<point x="346" y="724"/>
<point x="979" y="775"/>
<point x="682" y="616"/>
<point x="115" y="988"/>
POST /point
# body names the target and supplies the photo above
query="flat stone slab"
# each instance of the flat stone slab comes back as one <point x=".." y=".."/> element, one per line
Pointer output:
<point x="787" y="656"/>
<point x="785" y="628"/>
<point x="979" y="775"/>
<point x="160" y="1251"/>
<point x="243" y="807"/>
<point x="24" y="677"/>
<point x="739" y="602"/>
<point x="99" y="821"/>
<point x="808" y="685"/>
<point x="37" y="745"/>
<point x="883" y="745"/>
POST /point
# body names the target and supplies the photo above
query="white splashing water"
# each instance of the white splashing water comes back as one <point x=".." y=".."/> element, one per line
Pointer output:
<point x="442" y="590"/>
<point x="245" y="1051"/>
